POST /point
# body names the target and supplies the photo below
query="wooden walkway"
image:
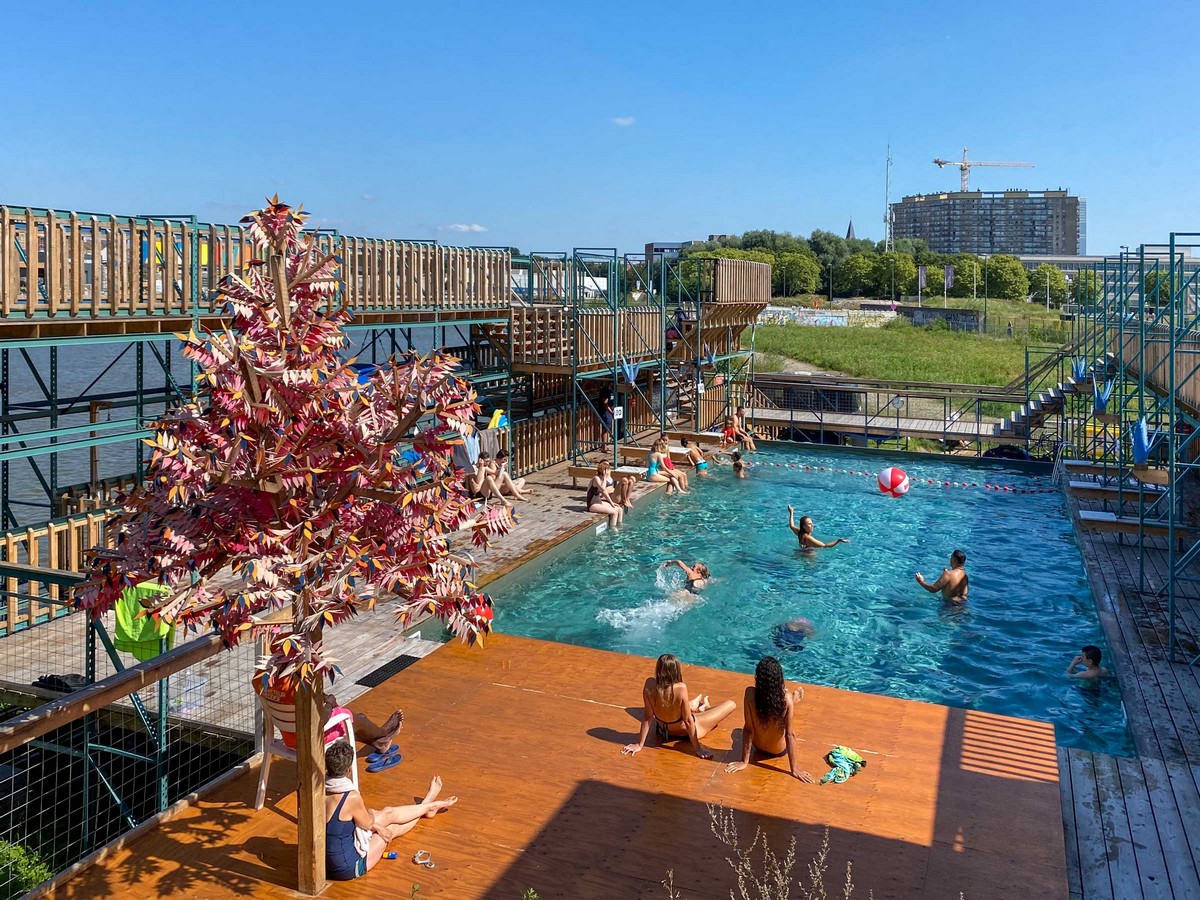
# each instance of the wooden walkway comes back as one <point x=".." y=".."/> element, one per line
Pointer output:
<point x="528" y="735"/>
<point x="1133" y="826"/>
<point x="885" y="426"/>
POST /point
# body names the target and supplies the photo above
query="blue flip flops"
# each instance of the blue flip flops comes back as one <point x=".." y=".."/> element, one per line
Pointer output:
<point x="384" y="762"/>
<point x="375" y="757"/>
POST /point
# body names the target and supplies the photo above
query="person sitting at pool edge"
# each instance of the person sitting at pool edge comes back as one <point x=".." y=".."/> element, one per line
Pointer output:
<point x="954" y="582"/>
<point x="745" y="430"/>
<point x="697" y="575"/>
<point x="1089" y="657"/>
<point x="600" y="497"/>
<point x="695" y="455"/>
<point x="768" y="707"/>
<point x="804" y="531"/>
<point x="673" y="713"/>
<point x="355" y="836"/>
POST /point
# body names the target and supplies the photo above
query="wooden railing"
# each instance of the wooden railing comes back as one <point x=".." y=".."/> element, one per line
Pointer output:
<point x="77" y="265"/>
<point x="1154" y="362"/>
<point x="741" y="281"/>
<point x="545" y="335"/>
<point x="58" y="545"/>
<point x="546" y="440"/>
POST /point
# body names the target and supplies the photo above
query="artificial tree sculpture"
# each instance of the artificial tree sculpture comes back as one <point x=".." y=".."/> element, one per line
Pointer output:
<point x="286" y="468"/>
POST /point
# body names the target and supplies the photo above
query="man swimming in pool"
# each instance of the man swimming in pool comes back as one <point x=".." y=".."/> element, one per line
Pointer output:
<point x="804" y="532"/>
<point x="954" y="582"/>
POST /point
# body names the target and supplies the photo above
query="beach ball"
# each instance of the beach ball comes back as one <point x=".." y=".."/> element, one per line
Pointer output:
<point x="893" y="482"/>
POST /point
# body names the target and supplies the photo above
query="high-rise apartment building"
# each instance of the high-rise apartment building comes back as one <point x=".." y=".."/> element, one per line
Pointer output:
<point x="1018" y="222"/>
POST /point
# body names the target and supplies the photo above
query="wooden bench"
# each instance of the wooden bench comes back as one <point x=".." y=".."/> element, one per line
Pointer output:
<point x="696" y="437"/>
<point x="679" y="456"/>
<point x="1087" y="467"/>
<point x="577" y="472"/>
<point x="1094" y="490"/>
<point x="1107" y="521"/>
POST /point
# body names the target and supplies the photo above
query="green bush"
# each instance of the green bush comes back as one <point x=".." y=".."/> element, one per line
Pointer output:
<point x="21" y="870"/>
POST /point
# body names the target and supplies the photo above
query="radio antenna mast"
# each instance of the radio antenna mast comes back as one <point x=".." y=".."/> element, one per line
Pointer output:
<point x="888" y="245"/>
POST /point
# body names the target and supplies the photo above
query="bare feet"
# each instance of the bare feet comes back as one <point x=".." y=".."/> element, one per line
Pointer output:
<point x="432" y="802"/>
<point x="389" y="730"/>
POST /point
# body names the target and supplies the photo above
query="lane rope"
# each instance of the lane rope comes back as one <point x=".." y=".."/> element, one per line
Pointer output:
<point x="999" y="488"/>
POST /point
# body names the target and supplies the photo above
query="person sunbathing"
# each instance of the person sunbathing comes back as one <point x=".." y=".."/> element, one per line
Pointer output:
<point x="507" y="484"/>
<point x="355" y="835"/>
<point x="673" y="713"/>
<point x="663" y="446"/>
<point x="768" y="707"/>
<point x="657" y="472"/>
<point x="600" y="497"/>
<point x="482" y="483"/>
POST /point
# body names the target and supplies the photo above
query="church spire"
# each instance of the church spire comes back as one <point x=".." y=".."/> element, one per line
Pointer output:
<point x="850" y="231"/>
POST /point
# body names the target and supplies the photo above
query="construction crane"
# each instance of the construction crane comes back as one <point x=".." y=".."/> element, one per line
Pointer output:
<point x="964" y="167"/>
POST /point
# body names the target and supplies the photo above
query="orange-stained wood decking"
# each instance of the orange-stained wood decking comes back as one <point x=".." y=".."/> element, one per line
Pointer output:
<point x="528" y="734"/>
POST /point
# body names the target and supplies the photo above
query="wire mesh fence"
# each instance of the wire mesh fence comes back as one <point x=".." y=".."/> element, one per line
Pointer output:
<point x="82" y="785"/>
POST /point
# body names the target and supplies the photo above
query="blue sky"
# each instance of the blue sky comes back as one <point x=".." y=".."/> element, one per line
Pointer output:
<point x="560" y="125"/>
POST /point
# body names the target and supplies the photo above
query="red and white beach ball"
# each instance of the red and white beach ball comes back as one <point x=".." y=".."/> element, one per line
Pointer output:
<point x="893" y="482"/>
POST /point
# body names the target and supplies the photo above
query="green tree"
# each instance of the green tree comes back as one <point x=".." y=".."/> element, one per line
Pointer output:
<point x="890" y="270"/>
<point x="829" y="248"/>
<point x="796" y="273"/>
<point x="913" y="247"/>
<point x="1047" y="276"/>
<point x="853" y="276"/>
<point x="774" y="242"/>
<point x="1007" y="279"/>
<point x="761" y="256"/>
<point x="1085" y="288"/>
<point x="1157" y="288"/>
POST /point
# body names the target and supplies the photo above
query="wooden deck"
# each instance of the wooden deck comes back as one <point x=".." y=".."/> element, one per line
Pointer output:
<point x="1133" y="826"/>
<point x="884" y="425"/>
<point x="528" y="735"/>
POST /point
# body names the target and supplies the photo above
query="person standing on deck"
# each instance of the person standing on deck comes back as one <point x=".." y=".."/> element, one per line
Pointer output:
<point x="954" y="582"/>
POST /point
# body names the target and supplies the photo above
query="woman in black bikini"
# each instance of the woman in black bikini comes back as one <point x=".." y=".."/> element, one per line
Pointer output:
<point x="600" y="498"/>
<point x="673" y="714"/>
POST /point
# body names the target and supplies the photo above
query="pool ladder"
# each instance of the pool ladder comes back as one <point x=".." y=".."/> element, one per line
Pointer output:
<point x="1060" y="463"/>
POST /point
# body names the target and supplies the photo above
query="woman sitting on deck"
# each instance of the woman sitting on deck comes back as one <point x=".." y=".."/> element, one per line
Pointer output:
<point x="658" y="473"/>
<point x="355" y="836"/>
<point x="675" y="716"/>
<point x="768" y="709"/>
<point x="482" y="483"/>
<point x="508" y="485"/>
<point x="600" y="497"/>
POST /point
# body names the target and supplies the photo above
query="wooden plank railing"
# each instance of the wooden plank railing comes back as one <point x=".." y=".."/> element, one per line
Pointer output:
<point x="546" y="440"/>
<point x="58" y="545"/>
<point x="68" y="265"/>
<point x="741" y="281"/>
<point x="1153" y="360"/>
<point x="545" y="335"/>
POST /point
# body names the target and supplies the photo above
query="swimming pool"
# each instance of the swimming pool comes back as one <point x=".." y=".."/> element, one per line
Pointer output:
<point x="1030" y="608"/>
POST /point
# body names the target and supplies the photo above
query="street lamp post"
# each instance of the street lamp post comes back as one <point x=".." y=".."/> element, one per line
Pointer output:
<point x="1047" y="290"/>
<point x="985" y="294"/>
<point x="892" y="260"/>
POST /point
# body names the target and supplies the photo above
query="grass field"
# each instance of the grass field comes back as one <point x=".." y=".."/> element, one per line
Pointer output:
<point x="898" y="352"/>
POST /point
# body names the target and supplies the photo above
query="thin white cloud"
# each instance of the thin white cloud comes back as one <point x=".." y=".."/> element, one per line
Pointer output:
<point x="624" y="121"/>
<point x="370" y="197"/>
<point x="462" y="229"/>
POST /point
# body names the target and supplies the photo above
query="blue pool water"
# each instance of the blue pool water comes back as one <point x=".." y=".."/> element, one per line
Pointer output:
<point x="1030" y="608"/>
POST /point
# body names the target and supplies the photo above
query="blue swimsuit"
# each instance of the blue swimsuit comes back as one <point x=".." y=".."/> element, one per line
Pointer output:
<point x="342" y="862"/>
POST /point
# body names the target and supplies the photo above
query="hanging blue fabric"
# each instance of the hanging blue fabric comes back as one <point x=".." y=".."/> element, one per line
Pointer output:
<point x="630" y="370"/>
<point x="709" y="356"/>
<point x="364" y="371"/>
<point x="471" y="442"/>
<point x="1079" y="368"/>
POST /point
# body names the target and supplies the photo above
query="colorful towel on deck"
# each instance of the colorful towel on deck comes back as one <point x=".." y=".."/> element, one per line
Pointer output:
<point x="845" y="763"/>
